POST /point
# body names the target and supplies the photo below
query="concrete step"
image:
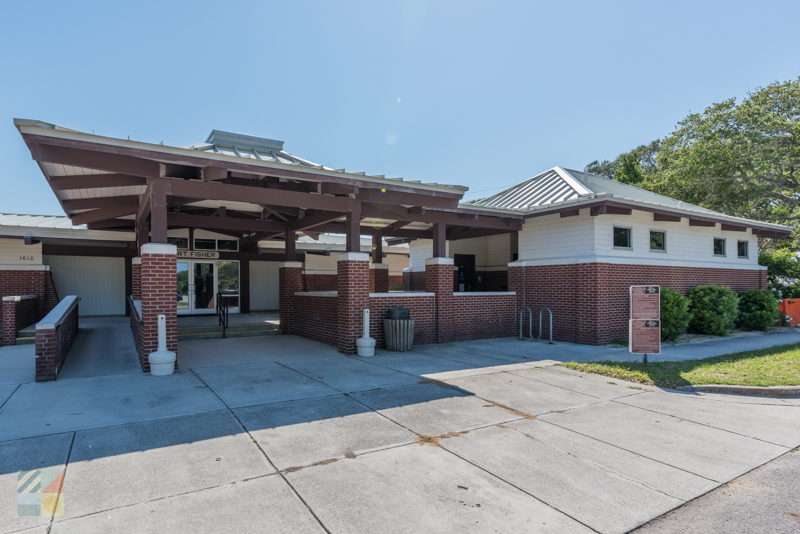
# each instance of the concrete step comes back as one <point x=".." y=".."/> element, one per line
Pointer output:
<point x="26" y="336"/>
<point x="214" y="331"/>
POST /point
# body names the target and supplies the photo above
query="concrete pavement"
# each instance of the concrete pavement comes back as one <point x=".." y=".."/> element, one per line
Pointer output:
<point x="286" y="435"/>
<point x="764" y="500"/>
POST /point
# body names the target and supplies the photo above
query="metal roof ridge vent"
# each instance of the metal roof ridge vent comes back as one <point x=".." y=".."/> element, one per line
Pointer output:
<point x="220" y="137"/>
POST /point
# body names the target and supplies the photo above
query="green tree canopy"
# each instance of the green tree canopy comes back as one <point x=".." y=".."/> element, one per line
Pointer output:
<point x="738" y="158"/>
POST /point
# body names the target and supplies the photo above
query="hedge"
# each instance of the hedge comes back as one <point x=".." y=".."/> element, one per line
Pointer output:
<point x="714" y="310"/>
<point x="675" y="314"/>
<point x="758" y="310"/>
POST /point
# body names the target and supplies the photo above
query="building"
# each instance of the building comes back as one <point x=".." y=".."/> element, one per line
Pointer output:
<point x="155" y="229"/>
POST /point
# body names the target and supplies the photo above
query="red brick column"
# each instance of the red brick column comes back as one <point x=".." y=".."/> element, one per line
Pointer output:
<point x="439" y="280"/>
<point x="159" y="286"/>
<point x="516" y="282"/>
<point x="380" y="276"/>
<point x="352" y="284"/>
<point x="17" y="312"/>
<point x="290" y="280"/>
<point x="136" y="278"/>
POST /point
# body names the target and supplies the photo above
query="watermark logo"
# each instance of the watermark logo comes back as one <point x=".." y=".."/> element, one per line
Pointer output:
<point x="39" y="492"/>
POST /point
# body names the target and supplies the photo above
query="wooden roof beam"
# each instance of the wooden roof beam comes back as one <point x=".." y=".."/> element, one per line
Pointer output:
<point x="93" y="181"/>
<point x="102" y="214"/>
<point x="113" y="163"/>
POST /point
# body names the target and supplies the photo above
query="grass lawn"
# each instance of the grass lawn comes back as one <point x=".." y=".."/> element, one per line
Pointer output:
<point x="776" y="366"/>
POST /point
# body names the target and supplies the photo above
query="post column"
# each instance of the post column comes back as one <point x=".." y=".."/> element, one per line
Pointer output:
<point x="352" y="284"/>
<point x="136" y="278"/>
<point x="380" y="277"/>
<point x="290" y="278"/>
<point x="159" y="287"/>
<point x="439" y="280"/>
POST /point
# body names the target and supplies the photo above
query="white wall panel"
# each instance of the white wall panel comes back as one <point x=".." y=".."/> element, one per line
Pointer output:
<point x="98" y="281"/>
<point x="16" y="252"/>
<point x="264" y="285"/>
<point x="551" y="237"/>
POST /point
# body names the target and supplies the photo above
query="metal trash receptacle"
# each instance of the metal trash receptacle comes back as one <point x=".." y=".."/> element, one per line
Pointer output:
<point x="399" y="334"/>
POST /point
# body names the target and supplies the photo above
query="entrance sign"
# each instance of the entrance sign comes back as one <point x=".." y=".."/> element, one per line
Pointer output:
<point x="644" y="326"/>
<point x="198" y="254"/>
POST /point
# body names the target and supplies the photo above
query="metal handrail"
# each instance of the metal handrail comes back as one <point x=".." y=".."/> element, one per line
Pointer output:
<point x="522" y="322"/>
<point x="223" y="312"/>
<point x="550" y="322"/>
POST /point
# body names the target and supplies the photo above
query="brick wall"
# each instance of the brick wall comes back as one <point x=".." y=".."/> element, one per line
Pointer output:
<point x="290" y="281"/>
<point x="439" y="280"/>
<point x="379" y="278"/>
<point x="396" y="281"/>
<point x="353" y="283"/>
<point x="414" y="280"/>
<point x="481" y="316"/>
<point x="53" y="342"/>
<point x="314" y="317"/>
<point x="30" y="282"/>
<point x="17" y="313"/>
<point x="136" y="278"/>
<point x="159" y="290"/>
<point x="590" y="301"/>
<point x="422" y="311"/>
<point x="319" y="282"/>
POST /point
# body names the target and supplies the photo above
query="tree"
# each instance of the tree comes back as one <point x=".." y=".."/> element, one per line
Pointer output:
<point x="738" y="158"/>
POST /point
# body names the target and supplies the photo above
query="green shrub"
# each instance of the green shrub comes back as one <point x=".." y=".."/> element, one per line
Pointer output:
<point x="758" y="310"/>
<point x="675" y="314"/>
<point x="714" y="310"/>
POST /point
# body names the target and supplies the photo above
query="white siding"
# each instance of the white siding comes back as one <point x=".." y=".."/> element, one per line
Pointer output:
<point x="691" y="246"/>
<point x="475" y="245"/>
<point x="98" y="281"/>
<point x="318" y="264"/>
<point x="551" y="240"/>
<point x="16" y="252"/>
<point x="498" y="251"/>
<point x="264" y="286"/>
<point x="396" y="262"/>
<point x="557" y="239"/>
<point x="419" y="251"/>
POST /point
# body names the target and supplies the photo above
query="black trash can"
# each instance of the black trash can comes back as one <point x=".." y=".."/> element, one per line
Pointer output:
<point x="398" y="329"/>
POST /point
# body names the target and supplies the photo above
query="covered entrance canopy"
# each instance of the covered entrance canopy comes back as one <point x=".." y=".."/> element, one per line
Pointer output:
<point x="244" y="186"/>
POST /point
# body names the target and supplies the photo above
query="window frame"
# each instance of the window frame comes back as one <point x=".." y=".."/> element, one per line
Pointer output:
<point x="630" y="237"/>
<point x="747" y="248"/>
<point x="650" y="243"/>
<point x="196" y="239"/>
<point x="724" y="247"/>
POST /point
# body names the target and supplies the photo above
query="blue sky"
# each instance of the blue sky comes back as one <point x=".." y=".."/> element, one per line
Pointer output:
<point x="483" y="94"/>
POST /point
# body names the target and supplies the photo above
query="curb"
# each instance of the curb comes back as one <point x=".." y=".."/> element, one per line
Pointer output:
<point x="775" y="391"/>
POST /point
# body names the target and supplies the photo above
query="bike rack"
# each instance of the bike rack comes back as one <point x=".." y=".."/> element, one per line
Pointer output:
<point x="522" y="322"/>
<point x="550" y="323"/>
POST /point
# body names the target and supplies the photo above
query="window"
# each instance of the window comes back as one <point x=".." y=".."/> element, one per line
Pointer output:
<point x="205" y="244"/>
<point x="658" y="241"/>
<point x="719" y="246"/>
<point x="741" y="249"/>
<point x="180" y="242"/>
<point x="227" y="244"/>
<point x="622" y="237"/>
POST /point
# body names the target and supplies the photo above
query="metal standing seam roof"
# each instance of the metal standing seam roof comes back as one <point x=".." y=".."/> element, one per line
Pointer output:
<point x="563" y="186"/>
<point x="38" y="221"/>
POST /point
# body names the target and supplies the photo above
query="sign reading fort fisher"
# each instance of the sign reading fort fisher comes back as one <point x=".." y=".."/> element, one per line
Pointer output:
<point x="198" y="254"/>
<point x="644" y="330"/>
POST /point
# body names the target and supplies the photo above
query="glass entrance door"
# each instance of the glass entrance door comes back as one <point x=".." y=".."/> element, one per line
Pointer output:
<point x="201" y="283"/>
<point x="204" y="287"/>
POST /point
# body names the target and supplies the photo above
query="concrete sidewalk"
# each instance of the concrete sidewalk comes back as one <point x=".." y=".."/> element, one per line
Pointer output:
<point x="286" y="435"/>
<point x="512" y="349"/>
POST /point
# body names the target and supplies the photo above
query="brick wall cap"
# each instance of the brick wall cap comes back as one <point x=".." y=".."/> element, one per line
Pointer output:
<point x="19" y="298"/>
<point x="379" y="266"/>
<point x="439" y="261"/>
<point x="415" y="269"/>
<point x="24" y="267"/>
<point x="637" y="262"/>
<point x="136" y="261"/>
<point x="59" y="313"/>
<point x="353" y="256"/>
<point x="402" y="294"/>
<point x="290" y="265"/>
<point x="159" y="248"/>
<point x="316" y="294"/>
<point x="482" y="293"/>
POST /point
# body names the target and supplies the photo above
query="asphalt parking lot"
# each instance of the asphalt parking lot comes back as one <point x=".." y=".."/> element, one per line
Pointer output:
<point x="293" y="437"/>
